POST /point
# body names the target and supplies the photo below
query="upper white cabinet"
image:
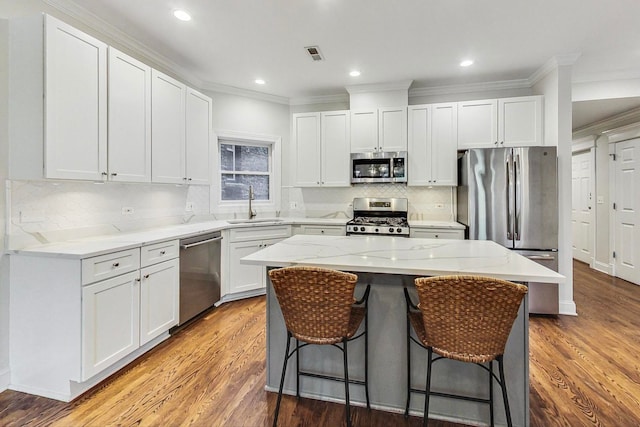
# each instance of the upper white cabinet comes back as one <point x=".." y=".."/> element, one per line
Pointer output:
<point x="129" y="118"/>
<point x="321" y="149"/>
<point x="75" y="103"/>
<point x="168" y="129"/>
<point x="381" y="129"/>
<point x="432" y="144"/>
<point x="198" y="124"/>
<point x="508" y="122"/>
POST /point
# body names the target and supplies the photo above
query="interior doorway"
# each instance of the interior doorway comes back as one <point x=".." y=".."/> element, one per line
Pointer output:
<point x="582" y="208"/>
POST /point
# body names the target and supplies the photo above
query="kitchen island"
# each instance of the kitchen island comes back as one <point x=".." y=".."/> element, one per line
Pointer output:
<point x="389" y="264"/>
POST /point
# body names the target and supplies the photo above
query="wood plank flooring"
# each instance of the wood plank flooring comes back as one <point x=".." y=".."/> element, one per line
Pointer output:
<point x="585" y="371"/>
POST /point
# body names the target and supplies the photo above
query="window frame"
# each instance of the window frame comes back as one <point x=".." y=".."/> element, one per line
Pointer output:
<point x="240" y="207"/>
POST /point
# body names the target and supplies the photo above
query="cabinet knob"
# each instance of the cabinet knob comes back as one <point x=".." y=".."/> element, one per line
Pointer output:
<point x="137" y="279"/>
<point x="115" y="265"/>
<point x="501" y="142"/>
<point x="104" y="174"/>
<point x="114" y="174"/>
<point x="162" y="252"/>
<point x="495" y="143"/>
<point x="146" y="276"/>
<point x="189" y="179"/>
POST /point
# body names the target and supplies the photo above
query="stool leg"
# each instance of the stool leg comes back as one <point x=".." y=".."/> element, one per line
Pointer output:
<point x="297" y="369"/>
<point x="284" y="371"/>
<point x="427" y="389"/>
<point x="503" y="384"/>
<point x="366" y="358"/>
<point x="346" y="382"/>
<point x="491" y="392"/>
<point x="406" y="409"/>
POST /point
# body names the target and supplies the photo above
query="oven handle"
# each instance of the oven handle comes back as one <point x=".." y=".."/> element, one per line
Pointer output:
<point x="215" y="239"/>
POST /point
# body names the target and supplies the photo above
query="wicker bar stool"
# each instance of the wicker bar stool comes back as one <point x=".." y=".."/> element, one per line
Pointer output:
<point x="319" y="307"/>
<point x="464" y="318"/>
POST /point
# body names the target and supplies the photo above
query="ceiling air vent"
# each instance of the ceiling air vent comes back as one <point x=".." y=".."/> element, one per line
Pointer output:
<point x="314" y="52"/>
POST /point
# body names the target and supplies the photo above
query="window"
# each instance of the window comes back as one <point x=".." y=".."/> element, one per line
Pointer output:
<point x="242" y="166"/>
<point x="241" y="160"/>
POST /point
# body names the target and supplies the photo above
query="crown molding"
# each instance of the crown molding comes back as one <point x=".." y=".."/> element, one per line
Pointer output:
<point x="628" y="118"/>
<point x="324" y="99"/>
<point x="470" y="87"/>
<point x="232" y="90"/>
<point x="379" y="87"/>
<point x="74" y="10"/>
<point x="552" y="64"/>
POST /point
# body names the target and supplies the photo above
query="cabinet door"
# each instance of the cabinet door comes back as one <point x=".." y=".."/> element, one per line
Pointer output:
<point x="129" y="118"/>
<point x="364" y="131"/>
<point x="392" y="132"/>
<point x="520" y="121"/>
<point x="443" y="157"/>
<point x="243" y="277"/>
<point x="419" y="141"/>
<point x="198" y="136"/>
<point x="110" y="322"/>
<point x="335" y="148"/>
<point x="306" y="137"/>
<point x="477" y="124"/>
<point x="75" y="138"/>
<point x="159" y="299"/>
<point x="167" y="129"/>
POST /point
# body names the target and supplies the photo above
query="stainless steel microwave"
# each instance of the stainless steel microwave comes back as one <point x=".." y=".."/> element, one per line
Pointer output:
<point x="379" y="167"/>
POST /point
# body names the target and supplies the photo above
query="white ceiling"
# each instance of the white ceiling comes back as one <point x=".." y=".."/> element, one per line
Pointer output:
<point x="233" y="42"/>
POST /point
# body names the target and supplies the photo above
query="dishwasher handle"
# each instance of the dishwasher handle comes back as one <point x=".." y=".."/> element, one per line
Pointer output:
<point x="202" y="242"/>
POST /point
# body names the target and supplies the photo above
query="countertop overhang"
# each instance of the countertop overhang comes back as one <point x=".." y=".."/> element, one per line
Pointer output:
<point x="398" y="255"/>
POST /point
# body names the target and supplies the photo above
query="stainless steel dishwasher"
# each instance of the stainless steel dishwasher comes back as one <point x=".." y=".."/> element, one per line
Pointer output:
<point x="199" y="274"/>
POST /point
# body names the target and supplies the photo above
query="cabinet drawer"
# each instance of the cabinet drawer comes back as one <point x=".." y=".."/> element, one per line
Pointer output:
<point x="324" y="230"/>
<point x="110" y="265"/>
<point x="435" y="233"/>
<point x="153" y="254"/>
<point x="259" y="233"/>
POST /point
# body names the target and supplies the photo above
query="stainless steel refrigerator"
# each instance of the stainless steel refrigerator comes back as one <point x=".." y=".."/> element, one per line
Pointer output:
<point x="510" y="196"/>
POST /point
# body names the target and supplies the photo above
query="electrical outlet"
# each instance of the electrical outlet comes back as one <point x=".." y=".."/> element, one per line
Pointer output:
<point x="600" y="200"/>
<point x="293" y="205"/>
<point x="189" y="207"/>
<point x="127" y="210"/>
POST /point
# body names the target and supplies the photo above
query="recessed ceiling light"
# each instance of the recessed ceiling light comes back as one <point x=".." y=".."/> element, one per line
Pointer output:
<point x="466" y="63"/>
<point x="260" y="81"/>
<point x="354" y="73"/>
<point x="182" y="15"/>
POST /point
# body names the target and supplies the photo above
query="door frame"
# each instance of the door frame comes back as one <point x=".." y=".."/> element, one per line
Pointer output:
<point x="581" y="146"/>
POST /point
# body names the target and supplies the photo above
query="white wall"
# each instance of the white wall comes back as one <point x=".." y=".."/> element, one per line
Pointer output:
<point x="4" y="154"/>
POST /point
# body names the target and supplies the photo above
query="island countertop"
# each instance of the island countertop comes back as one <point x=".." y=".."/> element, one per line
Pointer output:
<point x="399" y="255"/>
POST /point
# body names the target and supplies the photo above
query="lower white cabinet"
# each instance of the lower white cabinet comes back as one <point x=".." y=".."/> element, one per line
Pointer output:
<point x="75" y="321"/>
<point x="317" y="229"/>
<point x="437" y="233"/>
<point x="243" y="280"/>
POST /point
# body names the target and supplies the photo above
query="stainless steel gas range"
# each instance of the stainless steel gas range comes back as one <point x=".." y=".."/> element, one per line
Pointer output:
<point x="379" y="216"/>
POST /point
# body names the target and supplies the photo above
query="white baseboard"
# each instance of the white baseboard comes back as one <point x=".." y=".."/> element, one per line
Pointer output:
<point x="5" y="378"/>
<point x="568" y="308"/>
<point x="603" y="267"/>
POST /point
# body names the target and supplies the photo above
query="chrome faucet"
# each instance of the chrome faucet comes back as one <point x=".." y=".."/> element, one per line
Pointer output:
<point x="252" y="213"/>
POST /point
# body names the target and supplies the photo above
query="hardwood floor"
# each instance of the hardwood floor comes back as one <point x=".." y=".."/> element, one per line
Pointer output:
<point x="585" y="371"/>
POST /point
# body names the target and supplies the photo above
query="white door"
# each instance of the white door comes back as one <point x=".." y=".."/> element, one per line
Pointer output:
<point x="159" y="299"/>
<point x="627" y="212"/>
<point x="110" y="322"/>
<point x="364" y="131"/>
<point x="167" y="129"/>
<point x="129" y="118"/>
<point x="244" y="277"/>
<point x="75" y="137"/>
<point x="520" y="121"/>
<point x="478" y="124"/>
<point x="444" y="152"/>
<point x="335" y="149"/>
<point x="306" y="140"/>
<point x="392" y="129"/>
<point x="582" y="207"/>
<point x="419" y="145"/>
<point x="197" y="139"/>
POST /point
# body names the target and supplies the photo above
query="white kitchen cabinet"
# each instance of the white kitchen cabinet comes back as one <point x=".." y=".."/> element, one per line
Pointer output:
<point x="381" y="129"/>
<point x="110" y="322"/>
<point x="77" y="321"/>
<point x="159" y="299"/>
<point x="167" y="129"/>
<point x="58" y="98"/>
<point x="437" y="233"/>
<point x="322" y="230"/>
<point x="508" y="122"/>
<point x="432" y="144"/>
<point x="321" y="149"/>
<point x="243" y="280"/>
<point x="129" y="119"/>
<point x="198" y="110"/>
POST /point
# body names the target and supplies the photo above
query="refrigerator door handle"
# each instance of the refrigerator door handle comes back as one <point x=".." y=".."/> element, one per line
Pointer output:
<point x="508" y="194"/>
<point x="518" y="184"/>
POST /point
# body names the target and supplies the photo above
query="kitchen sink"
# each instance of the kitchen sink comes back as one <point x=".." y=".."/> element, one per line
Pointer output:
<point x="254" y="221"/>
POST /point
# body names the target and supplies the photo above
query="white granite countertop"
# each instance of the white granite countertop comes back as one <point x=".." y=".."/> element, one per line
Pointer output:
<point x="99" y="245"/>
<point x="436" y="224"/>
<point x="397" y="255"/>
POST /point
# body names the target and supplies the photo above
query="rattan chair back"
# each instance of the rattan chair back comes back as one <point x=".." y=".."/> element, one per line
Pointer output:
<point x="468" y="318"/>
<point x="315" y="302"/>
